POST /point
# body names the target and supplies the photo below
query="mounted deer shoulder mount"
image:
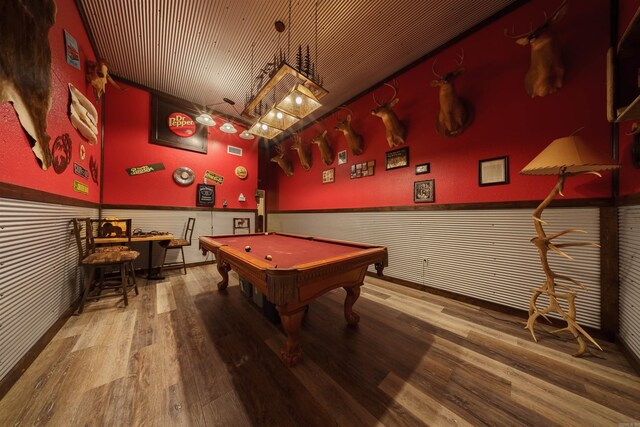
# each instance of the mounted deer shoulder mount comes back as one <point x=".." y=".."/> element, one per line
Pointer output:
<point x="326" y="152"/>
<point x="354" y="139"/>
<point x="303" y="152"/>
<point x="282" y="161"/>
<point x="395" y="129"/>
<point x="455" y="114"/>
<point x="546" y="71"/>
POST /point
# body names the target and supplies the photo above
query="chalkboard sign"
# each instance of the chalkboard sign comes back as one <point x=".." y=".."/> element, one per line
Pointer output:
<point x="205" y="195"/>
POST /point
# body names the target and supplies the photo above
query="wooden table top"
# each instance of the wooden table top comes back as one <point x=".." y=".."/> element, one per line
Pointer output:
<point x="157" y="237"/>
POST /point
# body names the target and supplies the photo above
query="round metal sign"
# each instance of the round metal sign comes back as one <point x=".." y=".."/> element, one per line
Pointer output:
<point x="183" y="176"/>
<point x="241" y="172"/>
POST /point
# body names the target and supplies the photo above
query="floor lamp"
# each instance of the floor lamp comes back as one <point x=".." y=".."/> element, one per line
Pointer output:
<point x="564" y="157"/>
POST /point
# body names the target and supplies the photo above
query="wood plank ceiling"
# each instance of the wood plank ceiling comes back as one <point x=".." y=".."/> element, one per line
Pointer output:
<point x="201" y="50"/>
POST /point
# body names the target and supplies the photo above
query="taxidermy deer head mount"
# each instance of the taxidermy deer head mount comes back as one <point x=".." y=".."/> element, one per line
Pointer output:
<point x="395" y="129"/>
<point x="354" y="139"/>
<point x="455" y="114"/>
<point x="326" y="152"/>
<point x="282" y="161"/>
<point x="546" y="70"/>
<point x="303" y="152"/>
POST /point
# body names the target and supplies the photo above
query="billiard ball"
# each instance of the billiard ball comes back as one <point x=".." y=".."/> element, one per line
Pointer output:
<point x="247" y="248"/>
<point x="268" y="257"/>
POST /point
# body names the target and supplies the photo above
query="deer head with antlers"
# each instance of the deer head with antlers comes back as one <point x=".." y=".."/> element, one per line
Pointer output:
<point x="395" y="129"/>
<point x="326" y="152"/>
<point x="303" y="152"/>
<point x="455" y="113"/>
<point x="354" y="139"/>
<point x="282" y="161"/>
<point x="546" y="70"/>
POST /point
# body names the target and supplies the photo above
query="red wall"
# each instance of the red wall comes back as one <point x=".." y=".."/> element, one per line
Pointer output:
<point x="18" y="164"/>
<point x="127" y="124"/>
<point x="507" y="121"/>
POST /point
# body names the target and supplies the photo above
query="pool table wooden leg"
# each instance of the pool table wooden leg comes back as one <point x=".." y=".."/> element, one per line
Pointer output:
<point x="353" y="292"/>
<point x="223" y="269"/>
<point x="291" y="352"/>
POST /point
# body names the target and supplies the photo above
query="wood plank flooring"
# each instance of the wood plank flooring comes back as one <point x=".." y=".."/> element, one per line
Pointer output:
<point x="184" y="354"/>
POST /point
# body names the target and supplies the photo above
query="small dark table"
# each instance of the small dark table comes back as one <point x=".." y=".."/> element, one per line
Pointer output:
<point x="301" y="269"/>
<point x="139" y="238"/>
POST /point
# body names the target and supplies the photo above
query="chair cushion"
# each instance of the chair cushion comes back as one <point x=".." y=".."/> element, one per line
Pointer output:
<point x="112" y="248"/>
<point x="105" y="258"/>
<point x="176" y="243"/>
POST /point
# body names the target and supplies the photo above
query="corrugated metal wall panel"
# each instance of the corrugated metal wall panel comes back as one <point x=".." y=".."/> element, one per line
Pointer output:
<point x="629" y="265"/>
<point x="175" y="221"/>
<point x="483" y="254"/>
<point x="39" y="276"/>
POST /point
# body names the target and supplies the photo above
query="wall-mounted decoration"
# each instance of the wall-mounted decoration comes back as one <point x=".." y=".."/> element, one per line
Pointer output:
<point x="174" y="125"/>
<point x="205" y="195"/>
<point x="635" y="145"/>
<point x="139" y="170"/>
<point x="71" y="47"/>
<point x="355" y="141"/>
<point x="213" y="177"/>
<point x="282" y="161"/>
<point x="93" y="168"/>
<point x="80" y="171"/>
<point x="25" y="71"/>
<point x="423" y="168"/>
<point x="241" y="198"/>
<point x="183" y="176"/>
<point x="98" y="75"/>
<point x="397" y="158"/>
<point x="328" y="176"/>
<point x="342" y="157"/>
<point x="241" y="172"/>
<point x="80" y="187"/>
<point x="424" y="191"/>
<point x="363" y="169"/>
<point x="83" y="151"/>
<point x="326" y="152"/>
<point x="236" y="151"/>
<point x="83" y="115"/>
<point x="61" y="153"/>
<point x="493" y="171"/>
<point x="304" y="154"/>
<point x="395" y="130"/>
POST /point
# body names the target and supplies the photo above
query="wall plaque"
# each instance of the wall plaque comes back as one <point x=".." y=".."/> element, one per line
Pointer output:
<point x="139" y="170"/>
<point x="80" y="187"/>
<point x="214" y="177"/>
<point x="173" y="124"/>
<point x="80" y="171"/>
<point x="205" y="195"/>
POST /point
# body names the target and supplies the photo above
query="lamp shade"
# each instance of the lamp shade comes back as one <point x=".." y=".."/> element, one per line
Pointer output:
<point x="570" y="154"/>
<point x="205" y="119"/>
<point x="278" y="119"/>
<point x="299" y="102"/>
<point x="263" y="130"/>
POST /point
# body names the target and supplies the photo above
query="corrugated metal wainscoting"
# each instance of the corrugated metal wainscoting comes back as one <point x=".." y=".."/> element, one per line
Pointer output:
<point x="175" y="221"/>
<point x="485" y="254"/>
<point x="629" y="265"/>
<point x="39" y="275"/>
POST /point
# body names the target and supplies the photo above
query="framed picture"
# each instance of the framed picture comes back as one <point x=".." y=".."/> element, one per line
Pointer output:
<point x="397" y="158"/>
<point x="360" y="170"/>
<point x="342" y="157"/>
<point x="174" y="125"/>
<point x="423" y="168"/>
<point x="205" y="195"/>
<point x="328" y="176"/>
<point x="424" y="191"/>
<point x="493" y="171"/>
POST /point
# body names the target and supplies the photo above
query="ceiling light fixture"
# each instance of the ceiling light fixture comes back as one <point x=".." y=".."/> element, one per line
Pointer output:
<point x="302" y="85"/>
<point x="228" y="127"/>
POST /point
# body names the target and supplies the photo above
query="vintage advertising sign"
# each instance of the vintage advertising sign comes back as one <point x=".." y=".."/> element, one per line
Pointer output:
<point x="173" y="124"/>
<point x="205" y="195"/>
<point x="80" y="171"/>
<point x="73" y="54"/>
<point x="80" y="187"/>
<point x="213" y="177"/>
<point x="139" y="170"/>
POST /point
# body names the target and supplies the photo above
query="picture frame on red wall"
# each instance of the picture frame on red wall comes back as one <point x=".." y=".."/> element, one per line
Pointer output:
<point x="494" y="171"/>
<point x="424" y="191"/>
<point x="397" y="158"/>
<point x="174" y="125"/>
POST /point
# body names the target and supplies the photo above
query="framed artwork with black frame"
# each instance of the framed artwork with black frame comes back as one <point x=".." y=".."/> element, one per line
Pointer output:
<point x="424" y="191"/>
<point x="205" y="195"/>
<point x="174" y="125"/>
<point x="494" y="171"/>
<point x="423" y="168"/>
<point x="397" y="158"/>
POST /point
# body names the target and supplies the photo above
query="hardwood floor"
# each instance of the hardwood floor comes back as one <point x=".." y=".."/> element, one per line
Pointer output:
<point x="183" y="353"/>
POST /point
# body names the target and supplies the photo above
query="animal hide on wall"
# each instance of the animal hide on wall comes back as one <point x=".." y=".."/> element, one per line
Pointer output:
<point x="25" y="67"/>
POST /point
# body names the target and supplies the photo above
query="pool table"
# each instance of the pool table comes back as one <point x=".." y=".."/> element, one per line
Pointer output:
<point x="292" y="270"/>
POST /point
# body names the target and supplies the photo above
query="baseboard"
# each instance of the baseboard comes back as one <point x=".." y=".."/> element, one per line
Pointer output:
<point x="30" y="356"/>
<point x="634" y="361"/>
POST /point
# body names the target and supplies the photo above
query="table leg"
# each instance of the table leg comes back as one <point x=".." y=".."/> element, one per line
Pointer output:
<point x="291" y="352"/>
<point x="150" y="275"/>
<point x="223" y="269"/>
<point x="353" y="292"/>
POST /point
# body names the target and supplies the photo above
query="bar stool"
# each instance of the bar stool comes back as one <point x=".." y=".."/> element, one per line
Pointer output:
<point x="90" y="259"/>
<point x="177" y="244"/>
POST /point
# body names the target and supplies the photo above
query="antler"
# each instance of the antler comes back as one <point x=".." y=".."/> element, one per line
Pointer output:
<point x="433" y="69"/>
<point x="340" y="119"/>
<point x="393" y="86"/>
<point x="460" y="57"/>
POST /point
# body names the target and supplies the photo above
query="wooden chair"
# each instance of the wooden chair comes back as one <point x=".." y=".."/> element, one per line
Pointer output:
<point x="91" y="258"/>
<point x="177" y="244"/>
<point x="242" y="224"/>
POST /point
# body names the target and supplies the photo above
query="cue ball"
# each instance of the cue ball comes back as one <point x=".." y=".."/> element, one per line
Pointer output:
<point x="268" y="257"/>
<point x="247" y="248"/>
